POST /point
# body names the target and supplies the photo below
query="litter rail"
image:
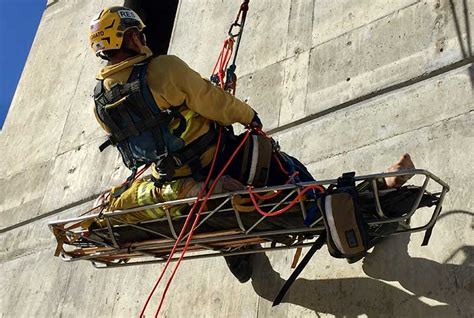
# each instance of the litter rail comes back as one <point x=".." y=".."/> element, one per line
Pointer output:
<point x="106" y="247"/>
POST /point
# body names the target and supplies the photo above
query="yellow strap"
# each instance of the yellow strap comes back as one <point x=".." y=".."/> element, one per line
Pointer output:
<point x="240" y="204"/>
<point x="296" y="258"/>
<point x="60" y="238"/>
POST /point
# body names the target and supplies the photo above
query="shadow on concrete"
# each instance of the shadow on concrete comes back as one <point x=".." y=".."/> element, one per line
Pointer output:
<point x="443" y="282"/>
<point x="450" y="284"/>
<point x="346" y="297"/>
<point x="466" y="51"/>
<point x="463" y="212"/>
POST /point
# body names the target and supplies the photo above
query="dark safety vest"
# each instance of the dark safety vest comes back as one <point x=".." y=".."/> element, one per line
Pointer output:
<point x="141" y="132"/>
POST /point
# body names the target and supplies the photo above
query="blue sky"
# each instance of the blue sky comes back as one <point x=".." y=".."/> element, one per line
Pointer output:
<point x="18" y="25"/>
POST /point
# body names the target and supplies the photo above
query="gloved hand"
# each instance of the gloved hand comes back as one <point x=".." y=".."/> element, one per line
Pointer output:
<point x="256" y="123"/>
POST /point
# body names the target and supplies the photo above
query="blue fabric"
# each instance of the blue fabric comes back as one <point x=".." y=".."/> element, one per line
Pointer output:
<point x="292" y="165"/>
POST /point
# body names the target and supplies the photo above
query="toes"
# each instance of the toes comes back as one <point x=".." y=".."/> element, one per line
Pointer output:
<point x="406" y="161"/>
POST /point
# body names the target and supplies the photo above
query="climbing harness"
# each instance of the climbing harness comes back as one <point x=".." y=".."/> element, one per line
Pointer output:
<point x="141" y="131"/>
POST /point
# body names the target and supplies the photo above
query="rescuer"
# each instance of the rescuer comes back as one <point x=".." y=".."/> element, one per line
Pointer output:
<point x="158" y="110"/>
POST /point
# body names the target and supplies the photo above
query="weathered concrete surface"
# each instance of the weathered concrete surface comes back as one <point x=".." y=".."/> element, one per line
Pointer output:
<point x="50" y="128"/>
<point x="347" y="86"/>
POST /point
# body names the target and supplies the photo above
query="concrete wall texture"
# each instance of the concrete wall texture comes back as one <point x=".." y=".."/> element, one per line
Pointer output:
<point x="343" y="85"/>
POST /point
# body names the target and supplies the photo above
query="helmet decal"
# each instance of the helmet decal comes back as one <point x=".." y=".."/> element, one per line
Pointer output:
<point x="96" y="35"/>
<point x="127" y="14"/>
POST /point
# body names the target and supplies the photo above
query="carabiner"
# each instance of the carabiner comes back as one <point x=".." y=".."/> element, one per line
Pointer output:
<point x="231" y="34"/>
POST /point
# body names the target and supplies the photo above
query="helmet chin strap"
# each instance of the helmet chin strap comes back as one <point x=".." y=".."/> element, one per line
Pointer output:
<point x="102" y="56"/>
<point x="142" y="38"/>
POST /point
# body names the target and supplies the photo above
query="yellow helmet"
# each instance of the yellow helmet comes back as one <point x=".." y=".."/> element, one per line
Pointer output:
<point x="109" y="26"/>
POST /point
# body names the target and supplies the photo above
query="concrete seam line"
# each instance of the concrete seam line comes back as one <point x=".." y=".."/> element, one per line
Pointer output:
<point x="35" y="250"/>
<point x="78" y="147"/>
<point x="35" y="165"/>
<point x="50" y="213"/>
<point x="376" y="93"/>
<point x="55" y="211"/>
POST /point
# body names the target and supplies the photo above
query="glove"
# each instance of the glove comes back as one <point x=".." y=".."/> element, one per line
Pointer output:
<point x="256" y="123"/>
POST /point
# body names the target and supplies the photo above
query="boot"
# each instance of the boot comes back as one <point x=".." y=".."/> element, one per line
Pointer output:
<point x="240" y="266"/>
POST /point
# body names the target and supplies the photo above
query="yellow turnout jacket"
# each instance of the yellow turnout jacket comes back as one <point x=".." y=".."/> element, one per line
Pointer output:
<point x="174" y="84"/>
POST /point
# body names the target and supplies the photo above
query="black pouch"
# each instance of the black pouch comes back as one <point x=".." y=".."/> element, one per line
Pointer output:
<point x="257" y="154"/>
<point x="346" y="229"/>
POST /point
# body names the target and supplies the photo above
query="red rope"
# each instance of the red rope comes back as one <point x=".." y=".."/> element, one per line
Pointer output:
<point x="221" y="67"/>
<point x="93" y="209"/>
<point x="289" y="206"/>
<point x="272" y="195"/>
<point x="219" y="71"/>
<point x="222" y="62"/>
<point x="183" y="230"/>
<point x="280" y="165"/>
<point x="196" y="220"/>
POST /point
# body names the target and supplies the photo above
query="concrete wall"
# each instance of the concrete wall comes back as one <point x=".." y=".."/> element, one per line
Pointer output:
<point x="343" y="85"/>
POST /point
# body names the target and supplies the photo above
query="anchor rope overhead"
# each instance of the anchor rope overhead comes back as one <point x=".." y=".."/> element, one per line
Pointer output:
<point x="224" y="75"/>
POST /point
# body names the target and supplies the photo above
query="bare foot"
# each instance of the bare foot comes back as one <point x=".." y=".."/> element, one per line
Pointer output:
<point x="402" y="164"/>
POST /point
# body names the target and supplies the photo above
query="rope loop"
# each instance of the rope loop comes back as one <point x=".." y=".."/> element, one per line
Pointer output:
<point x="224" y="75"/>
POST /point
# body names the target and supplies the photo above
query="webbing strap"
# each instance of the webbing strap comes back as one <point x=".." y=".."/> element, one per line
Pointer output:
<point x="316" y="246"/>
<point x="347" y="180"/>
<point x="151" y="109"/>
<point x="191" y="155"/>
<point x="426" y="238"/>
<point x="134" y="129"/>
<point x="105" y="144"/>
<point x="100" y="97"/>
<point x="429" y="231"/>
<point x="131" y="129"/>
<point x="178" y="131"/>
<point x="197" y="148"/>
<point x="140" y="74"/>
